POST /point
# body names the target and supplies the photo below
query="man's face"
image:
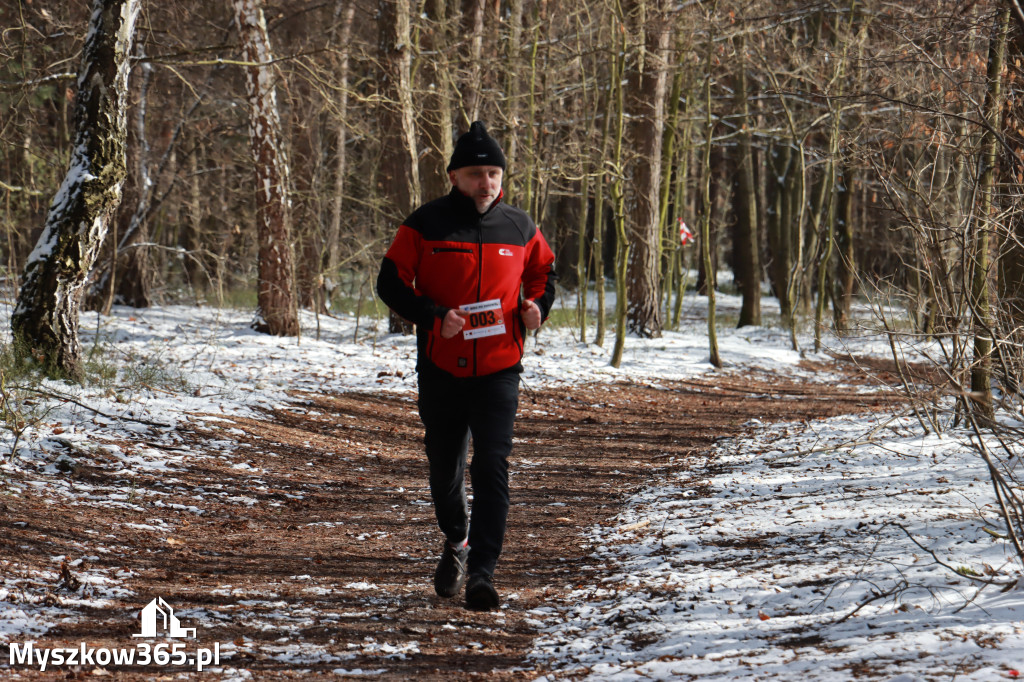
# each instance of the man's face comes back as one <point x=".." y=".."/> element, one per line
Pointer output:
<point x="480" y="183"/>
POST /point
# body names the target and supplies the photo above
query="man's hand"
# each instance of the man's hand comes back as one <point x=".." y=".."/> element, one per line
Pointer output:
<point x="530" y="312"/>
<point x="453" y="323"/>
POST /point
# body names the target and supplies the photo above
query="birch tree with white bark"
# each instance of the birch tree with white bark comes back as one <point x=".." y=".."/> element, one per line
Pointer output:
<point x="45" y="321"/>
<point x="277" y="311"/>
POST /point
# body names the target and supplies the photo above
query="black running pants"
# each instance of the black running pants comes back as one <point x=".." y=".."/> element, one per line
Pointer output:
<point x="452" y="410"/>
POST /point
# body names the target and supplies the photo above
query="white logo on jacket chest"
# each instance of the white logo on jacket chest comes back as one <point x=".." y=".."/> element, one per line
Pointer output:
<point x="504" y="252"/>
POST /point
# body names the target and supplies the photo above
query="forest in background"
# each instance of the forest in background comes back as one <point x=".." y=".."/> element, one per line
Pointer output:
<point x="820" y="149"/>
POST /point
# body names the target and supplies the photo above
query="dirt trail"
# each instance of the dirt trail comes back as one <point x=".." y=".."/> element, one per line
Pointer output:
<point x="309" y="547"/>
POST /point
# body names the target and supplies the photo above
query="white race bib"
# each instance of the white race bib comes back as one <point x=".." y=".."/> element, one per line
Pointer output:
<point x="484" y="319"/>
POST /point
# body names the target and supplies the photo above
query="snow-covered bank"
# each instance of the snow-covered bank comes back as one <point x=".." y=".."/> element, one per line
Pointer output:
<point x="802" y="566"/>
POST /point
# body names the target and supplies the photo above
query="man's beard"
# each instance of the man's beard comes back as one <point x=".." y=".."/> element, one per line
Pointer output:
<point x="483" y="204"/>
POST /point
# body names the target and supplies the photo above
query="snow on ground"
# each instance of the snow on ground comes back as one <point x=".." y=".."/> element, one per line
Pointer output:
<point x="846" y="536"/>
<point x="810" y="566"/>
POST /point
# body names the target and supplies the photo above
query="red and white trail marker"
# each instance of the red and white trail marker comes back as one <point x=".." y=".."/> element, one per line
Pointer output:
<point x="685" y="234"/>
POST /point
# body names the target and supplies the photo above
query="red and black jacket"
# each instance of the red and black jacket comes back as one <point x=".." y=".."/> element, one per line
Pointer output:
<point x="447" y="255"/>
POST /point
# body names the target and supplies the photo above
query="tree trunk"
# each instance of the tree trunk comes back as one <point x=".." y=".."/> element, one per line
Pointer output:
<point x="982" y="224"/>
<point x="473" y="29"/>
<point x="680" y="268"/>
<point x="530" y="170"/>
<point x="131" y="269"/>
<point x="600" y="193"/>
<point x="582" y="276"/>
<point x="748" y="253"/>
<point x="45" y="319"/>
<point x="716" y="210"/>
<point x="825" y="262"/>
<point x="512" y="108"/>
<point x="400" y="177"/>
<point x="780" y="227"/>
<point x="845" y="263"/>
<point x="617" y="192"/>
<point x="307" y="149"/>
<point x="825" y="271"/>
<point x="1011" y="261"/>
<point x="333" y="240"/>
<point x="399" y="165"/>
<point x="436" y="116"/>
<point x="125" y="276"/>
<point x="190" y="214"/>
<point x="793" y="197"/>
<point x="133" y="277"/>
<point x="705" y="222"/>
<point x="669" y="228"/>
<point x="277" y="312"/>
<point x="648" y="84"/>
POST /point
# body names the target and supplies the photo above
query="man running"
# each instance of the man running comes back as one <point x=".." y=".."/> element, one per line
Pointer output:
<point x="473" y="273"/>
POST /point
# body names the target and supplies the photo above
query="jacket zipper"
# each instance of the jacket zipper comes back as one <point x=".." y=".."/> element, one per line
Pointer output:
<point x="443" y="249"/>
<point x="479" y="276"/>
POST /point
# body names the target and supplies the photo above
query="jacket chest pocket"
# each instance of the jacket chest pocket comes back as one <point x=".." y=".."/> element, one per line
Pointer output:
<point x="448" y="273"/>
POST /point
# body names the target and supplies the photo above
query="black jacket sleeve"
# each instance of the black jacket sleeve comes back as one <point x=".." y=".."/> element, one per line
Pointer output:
<point x="403" y="299"/>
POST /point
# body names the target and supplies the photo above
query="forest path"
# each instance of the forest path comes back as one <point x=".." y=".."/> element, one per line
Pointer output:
<point x="304" y="543"/>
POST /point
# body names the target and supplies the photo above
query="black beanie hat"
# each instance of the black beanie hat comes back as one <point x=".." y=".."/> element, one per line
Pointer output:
<point x="477" y="148"/>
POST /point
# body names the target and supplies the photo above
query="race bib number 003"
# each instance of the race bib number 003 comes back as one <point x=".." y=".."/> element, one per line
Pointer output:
<point x="484" y="319"/>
